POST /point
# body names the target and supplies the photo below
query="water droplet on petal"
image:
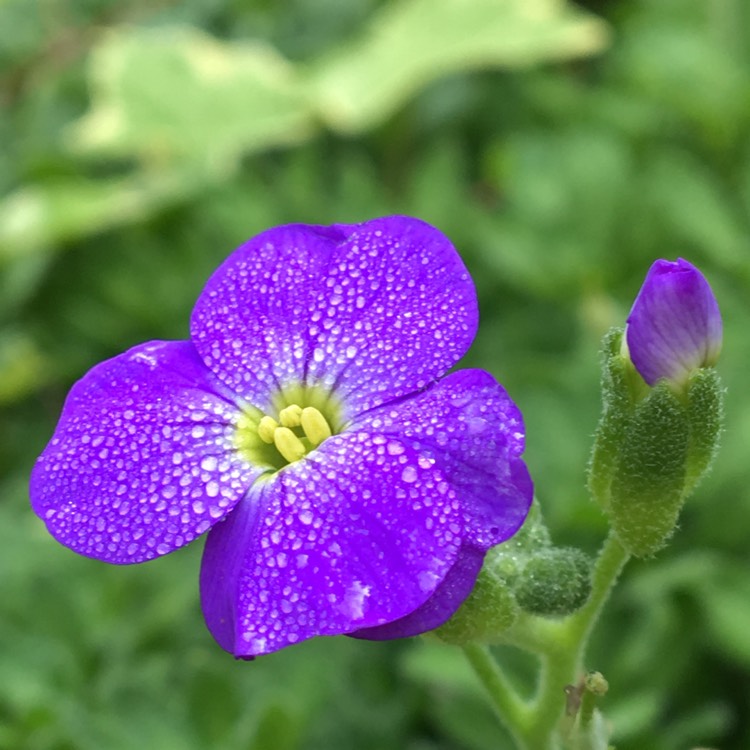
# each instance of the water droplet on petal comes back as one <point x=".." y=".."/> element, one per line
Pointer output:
<point x="409" y="474"/>
<point x="394" y="448"/>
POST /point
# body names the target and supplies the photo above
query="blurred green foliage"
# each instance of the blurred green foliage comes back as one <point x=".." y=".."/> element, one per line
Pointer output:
<point x="562" y="149"/>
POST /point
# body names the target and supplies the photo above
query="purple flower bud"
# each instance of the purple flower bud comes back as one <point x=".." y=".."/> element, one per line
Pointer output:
<point x="674" y="327"/>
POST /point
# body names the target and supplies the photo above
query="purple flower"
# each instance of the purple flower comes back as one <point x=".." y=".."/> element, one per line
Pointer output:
<point x="347" y="490"/>
<point x="674" y="326"/>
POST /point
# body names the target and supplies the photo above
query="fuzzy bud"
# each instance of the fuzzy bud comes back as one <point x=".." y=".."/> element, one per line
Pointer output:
<point x="554" y="583"/>
<point x="652" y="447"/>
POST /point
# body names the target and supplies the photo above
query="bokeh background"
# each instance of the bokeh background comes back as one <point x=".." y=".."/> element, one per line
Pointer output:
<point x="563" y="148"/>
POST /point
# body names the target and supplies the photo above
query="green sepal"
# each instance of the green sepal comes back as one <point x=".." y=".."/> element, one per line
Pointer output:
<point x="705" y="413"/>
<point x="532" y="536"/>
<point x="489" y="610"/>
<point x="555" y="582"/>
<point x="647" y="489"/>
<point x="621" y="387"/>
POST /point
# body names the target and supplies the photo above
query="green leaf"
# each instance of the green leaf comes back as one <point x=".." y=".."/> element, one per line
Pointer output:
<point x="279" y="727"/>
<point x="726" y="604"/>
<point x="563" y="196"/>
<point x="22" y="366"/>
<point x="36" y="217"/>
<point x="413" y="42"/>
<point x="696" y="209"/>
<point x="177" y="93"/>
<point x="660" y="55"/>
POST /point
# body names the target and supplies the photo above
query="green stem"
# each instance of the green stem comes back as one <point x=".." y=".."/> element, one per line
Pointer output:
<point x="561" y="646"/>
<point x="563" y="665"/>
<point x="537" y="635"/>
<point x="512" y="710"/>
<point x="612" y="559"/>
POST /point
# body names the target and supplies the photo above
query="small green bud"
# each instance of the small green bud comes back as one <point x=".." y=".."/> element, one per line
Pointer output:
<point x="595" y="683"/>
<point x="554" y="583"/>
<point x="586" y="728"/>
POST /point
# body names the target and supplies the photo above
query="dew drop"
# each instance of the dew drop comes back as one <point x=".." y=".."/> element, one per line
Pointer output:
<point x="409" y="474"/>
<point x="394" y="448"/>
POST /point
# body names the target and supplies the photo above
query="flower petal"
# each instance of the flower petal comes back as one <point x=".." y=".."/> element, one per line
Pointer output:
<point x="474" y="432"/>
<point x="142" y="460"/>
<point x="359" y="533"/>
<point x="440" y="607"/>
<point x="378" y="310"/>
<point x="674" y="326"/>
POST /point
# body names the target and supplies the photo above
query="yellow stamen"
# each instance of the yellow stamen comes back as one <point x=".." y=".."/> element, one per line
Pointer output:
<point x="266" y="428"/>
<point x="289" y="417"/>
<point x="315" y="426"/>
<point x="288" y="444"/>
<point x="298" y="420"/>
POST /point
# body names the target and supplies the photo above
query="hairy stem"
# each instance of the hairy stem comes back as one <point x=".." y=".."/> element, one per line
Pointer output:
<point x="510" y="708"/>
<point x="561" y="646"/>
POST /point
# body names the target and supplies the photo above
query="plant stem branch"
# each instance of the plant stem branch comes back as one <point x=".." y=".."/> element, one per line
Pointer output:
<point x="561" y="646"/>
<point x="510" y="708"/>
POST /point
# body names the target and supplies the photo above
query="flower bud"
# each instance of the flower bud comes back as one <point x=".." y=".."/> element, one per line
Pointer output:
<point x="652" y="447"/>
<point x="662" y="406"/>
<point x="674" y="327"/>
<point x="555" y="582"/>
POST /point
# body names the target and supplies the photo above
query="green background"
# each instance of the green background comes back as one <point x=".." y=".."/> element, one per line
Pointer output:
<point x="562" y="149"/>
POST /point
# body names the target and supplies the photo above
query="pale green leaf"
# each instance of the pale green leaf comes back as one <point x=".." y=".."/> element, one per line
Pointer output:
<point x="413" y="42"/>
<point x="726" y="606"/>
<point x="37" y="217"/>
<point x="178" y="93"/>
<point x="22" y="366"/>
<point x="700" y="212"/>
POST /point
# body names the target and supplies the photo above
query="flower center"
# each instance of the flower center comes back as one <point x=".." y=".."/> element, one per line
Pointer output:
<point x="290" y="444"/>
<point x="302" y="419"/>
